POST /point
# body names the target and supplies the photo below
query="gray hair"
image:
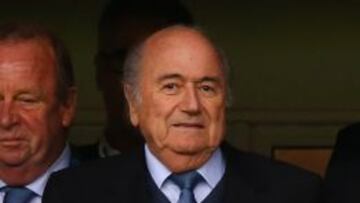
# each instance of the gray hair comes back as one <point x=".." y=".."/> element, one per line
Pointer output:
<point x="135" y="55"/>
<point x="17" y="32"/>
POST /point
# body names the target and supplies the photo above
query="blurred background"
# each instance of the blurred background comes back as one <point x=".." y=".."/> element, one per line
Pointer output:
<point x="294" y="68"/>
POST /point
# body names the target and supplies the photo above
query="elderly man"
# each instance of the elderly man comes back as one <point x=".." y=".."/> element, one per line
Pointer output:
<point x="37" y="101"/>
<point x="175" y="84"/>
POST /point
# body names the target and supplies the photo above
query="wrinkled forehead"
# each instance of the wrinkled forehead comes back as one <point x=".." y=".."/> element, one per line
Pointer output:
<point x="33" y="46"/>
<point x="183" y="47"/>
<point x="27" y="56"/>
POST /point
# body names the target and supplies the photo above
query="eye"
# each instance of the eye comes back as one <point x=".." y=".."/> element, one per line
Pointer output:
<point x="27" y="100"/>
<point x="170" y="88"/>
<point x="207" y="90"/>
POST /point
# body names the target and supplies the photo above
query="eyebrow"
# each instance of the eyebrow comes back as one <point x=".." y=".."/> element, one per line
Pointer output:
<point x="209" y="79"/>
<point x="169" y="76"/>
<point x="213" y="79"/>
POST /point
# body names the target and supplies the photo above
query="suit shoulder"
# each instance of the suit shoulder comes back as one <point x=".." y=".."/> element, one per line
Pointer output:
<point x="266" y="169"/>
<point x="97" y="181"/>
<point x="101" y="169"/>
<point x="267" y="179"/>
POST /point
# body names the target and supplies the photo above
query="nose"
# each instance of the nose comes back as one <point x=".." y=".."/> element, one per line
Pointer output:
<point x="191" y="102"/>
<point x="8" y="115"/>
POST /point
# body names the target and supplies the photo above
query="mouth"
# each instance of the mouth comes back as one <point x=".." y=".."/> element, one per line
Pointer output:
<point x="189" y="125"/>
<point x="10" y="143"/>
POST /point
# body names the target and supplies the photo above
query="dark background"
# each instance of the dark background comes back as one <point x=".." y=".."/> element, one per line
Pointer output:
<point x="295" y="64"/>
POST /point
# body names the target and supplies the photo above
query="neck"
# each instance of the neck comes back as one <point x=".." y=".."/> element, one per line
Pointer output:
<point x="178" y="163"/>
<point x="25" y="173"/>
<point x="21" y="176"/>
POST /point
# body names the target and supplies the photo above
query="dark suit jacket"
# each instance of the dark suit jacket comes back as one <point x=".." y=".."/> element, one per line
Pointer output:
<point x="342" y="180"/>
<point x="248" y="178"/>
<point x="86" y="152"/>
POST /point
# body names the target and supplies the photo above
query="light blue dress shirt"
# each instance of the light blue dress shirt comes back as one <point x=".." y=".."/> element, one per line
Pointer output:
<point x="38" y="185"/>
<point x="212" y="171"/>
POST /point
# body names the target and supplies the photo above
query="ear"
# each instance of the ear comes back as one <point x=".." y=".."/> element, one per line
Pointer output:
<point x="133" y="105"/>
<point x="68" y="107"/>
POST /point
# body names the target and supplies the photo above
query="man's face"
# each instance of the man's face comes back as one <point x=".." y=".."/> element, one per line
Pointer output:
<point x="182" y="94"/>
<point x="31" y="117"/>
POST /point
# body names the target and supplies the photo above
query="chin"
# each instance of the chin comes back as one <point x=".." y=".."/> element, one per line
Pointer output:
<point x="14" y="159"/>
<point x="190" y="148"/>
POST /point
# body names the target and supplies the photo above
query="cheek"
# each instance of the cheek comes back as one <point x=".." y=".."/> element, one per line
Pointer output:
<point x="29" y="128"/>
<point x="34" y="127"/>
<point x="40" y="125"/>
<point x="33" y="118"/>
<point x="216" y="115"/>
<point x="154" y="119"/>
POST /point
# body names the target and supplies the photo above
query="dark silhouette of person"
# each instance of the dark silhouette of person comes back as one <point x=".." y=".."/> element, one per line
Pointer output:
<point x="123" y="24"/>
<point x="342" y="179"/>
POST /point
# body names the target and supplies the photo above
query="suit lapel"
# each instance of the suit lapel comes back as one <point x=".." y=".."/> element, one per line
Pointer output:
<point x="143" y="191"/>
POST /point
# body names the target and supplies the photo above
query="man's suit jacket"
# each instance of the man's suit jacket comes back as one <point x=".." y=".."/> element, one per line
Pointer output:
<point x="342" y="180"/>
<point x="248" y="178"/>
<point x="87" y="152"/>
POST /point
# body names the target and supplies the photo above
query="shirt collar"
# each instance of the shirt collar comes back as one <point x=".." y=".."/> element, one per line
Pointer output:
<point x="105" y="149"/>
<point x="62" y="162"/>
<point x="158" y="171"/>
<point x="38" y="185"/>
<point x="212" y="171"/>
<point x="2" y="184"/>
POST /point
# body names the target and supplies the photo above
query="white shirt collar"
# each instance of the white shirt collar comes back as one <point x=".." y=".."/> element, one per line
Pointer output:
<point x="38" y="185"/>
<point x="212" y="171"/>
<point x="158" y="171"/>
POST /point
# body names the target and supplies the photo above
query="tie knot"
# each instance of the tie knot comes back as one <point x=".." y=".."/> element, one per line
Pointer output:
<point x="186" y="180"/>
<point x="18" y="195"/>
